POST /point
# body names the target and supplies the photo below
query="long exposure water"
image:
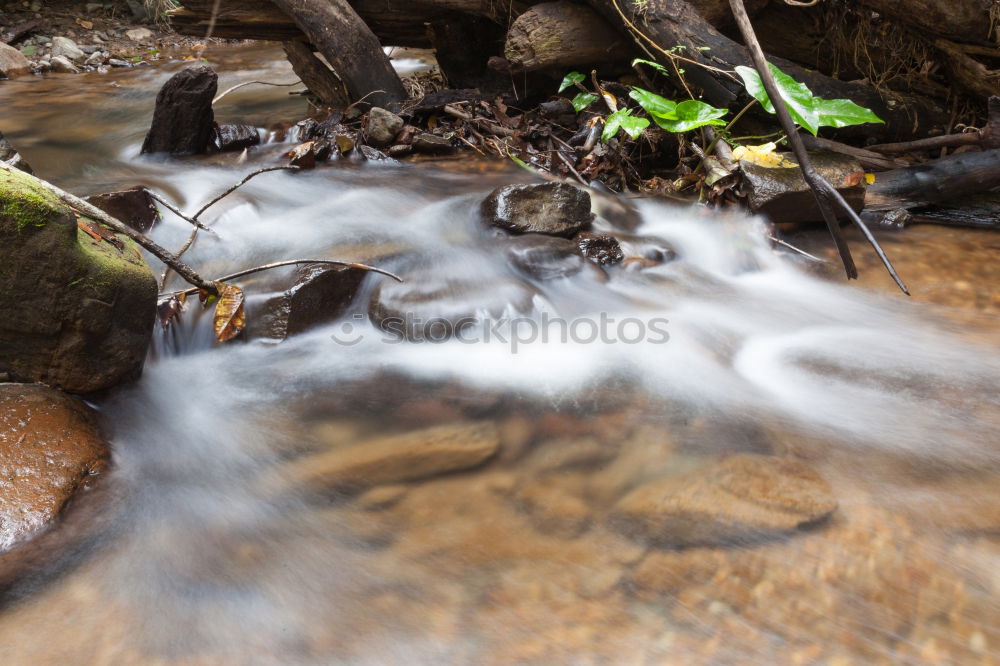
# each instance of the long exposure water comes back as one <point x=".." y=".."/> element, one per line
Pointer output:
<point x="230" y="545"/>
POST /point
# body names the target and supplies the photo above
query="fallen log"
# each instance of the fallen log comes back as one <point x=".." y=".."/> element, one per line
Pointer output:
<point x="350" y="47"/>
<point x="395" y="22"/>
<point x="944" y="179"/>
<point x="563" y="35"/>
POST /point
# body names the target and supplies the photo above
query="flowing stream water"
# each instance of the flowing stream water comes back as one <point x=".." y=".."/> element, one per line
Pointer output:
<point x="220" y="553"/>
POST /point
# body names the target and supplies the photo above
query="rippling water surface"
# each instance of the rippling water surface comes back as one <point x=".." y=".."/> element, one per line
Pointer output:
<point x="233" y="543"/>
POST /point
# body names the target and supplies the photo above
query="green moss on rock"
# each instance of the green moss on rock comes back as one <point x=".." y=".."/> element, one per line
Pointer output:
<point x="78" y="312"/>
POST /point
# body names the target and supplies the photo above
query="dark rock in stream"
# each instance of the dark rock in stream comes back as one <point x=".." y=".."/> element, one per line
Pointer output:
<point x="50" y="449"/>
<point x="602" y="249"/>
<point x="321" y="294"/>
<point x="183" y="121"/>
<point x="234" y="137"/>
<point x="432" y="144"/>
<point x="78" y="312"/>
<point x="134" y="206"/>
<point x="556" y="209"/>
<point x="782" y="194"/>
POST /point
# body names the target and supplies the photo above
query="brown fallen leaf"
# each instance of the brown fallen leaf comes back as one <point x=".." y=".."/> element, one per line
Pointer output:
<point x="230" y="317"/>
<point x="302" y="156"/>
<point x="86" y="25"/>
<point x="170" y="308"/>
<point x="99" y="233"/>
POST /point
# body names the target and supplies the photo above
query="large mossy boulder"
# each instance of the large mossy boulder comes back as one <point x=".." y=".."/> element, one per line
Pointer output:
<point x="77" y="312"/>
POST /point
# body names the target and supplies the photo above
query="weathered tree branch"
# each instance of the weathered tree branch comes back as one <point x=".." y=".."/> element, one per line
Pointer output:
<point x="827" y="196"/>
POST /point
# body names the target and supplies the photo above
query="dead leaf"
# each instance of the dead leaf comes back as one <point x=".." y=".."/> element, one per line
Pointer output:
<point x="86" y="25"/>
<point x="99" y="233"/>
<point x="170" y="308"/>
<point x="302" y="156"/>
<point x="763" y="155"/>
<point x="230" y="317"/>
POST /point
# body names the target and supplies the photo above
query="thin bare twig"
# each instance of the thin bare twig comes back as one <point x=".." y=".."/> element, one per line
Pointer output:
<point x="194" y="232"/>
<point x="291" y="262"/>
<point x="89" y="210"/>
<point x="250" y="83"/>
<point x="176" y="211"/>
<point x="827" y="197"/>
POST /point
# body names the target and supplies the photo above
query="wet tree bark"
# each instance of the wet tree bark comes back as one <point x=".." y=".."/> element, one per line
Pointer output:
<point x="318" y="78"/>
<point x="561" y="35"/>
<point x="353" y="50"/>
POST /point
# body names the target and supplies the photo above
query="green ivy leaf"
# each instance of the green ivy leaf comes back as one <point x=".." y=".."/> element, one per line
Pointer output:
<point x="806" y="109"/>
<point x="655" y="65"/>
<point x="653" y="104"/>
<point x="571" y="79"/>
<point x="29" y="50"/>
<point x="623" y="120"/>
<point x="690" y="115"/>
<point x="582" y="101"/>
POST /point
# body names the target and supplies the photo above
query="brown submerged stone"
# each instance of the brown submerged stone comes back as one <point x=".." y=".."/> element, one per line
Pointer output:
<point x="405" y="457"/>
<point x="49" y="449"/>
<point x="743" y="498"/>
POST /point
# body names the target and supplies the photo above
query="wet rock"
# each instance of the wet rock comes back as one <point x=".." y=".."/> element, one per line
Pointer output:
<point x="95" y="59"/>
<point x="12" y="62"/>
<point x="602" y="249"/>
<point x="320" y="295"/>
<point x="556" y="209"/>
<point x="62" y="65"/>
<point x="118" y="62"/>
<point x="375" y="155"/>
<point x="544" y="257"/>
<point x="432" y="306"/>
<point x="783" y="195"/>
<point x="235" y="137"/>
<point x="744" y="498"/>
<point x="66" y="47"/>
<point x="11" y="157"/>
<point x="389" y="460"/>
<point x="554" y="511"/>
<point x="183" y="121"/>
<point x="139" y="34"/>
<point x="49" y="450"/>
<point x="383" y="126"/>
<point x="134" y="206"/>
<point x="78" y="313"/>
<point x="432" y="145"/>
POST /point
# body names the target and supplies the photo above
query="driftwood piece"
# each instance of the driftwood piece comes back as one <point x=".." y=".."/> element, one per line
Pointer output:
<point x="318" y="78"/>
<point x="563" y="34"/>
<point x="947" y="178"/>
<point x="967" y="20"/>
<point x="183" y="119"/>
<point x="350" y="47"/>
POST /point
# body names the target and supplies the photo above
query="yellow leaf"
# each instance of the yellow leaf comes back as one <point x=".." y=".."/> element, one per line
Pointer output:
<point x="762" y="155"/>
<point x="869" y="178"/>
<point x="230" y="317"/>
